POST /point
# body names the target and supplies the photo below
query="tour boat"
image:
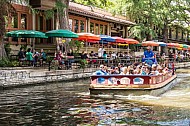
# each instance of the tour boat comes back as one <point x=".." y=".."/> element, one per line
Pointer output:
<point x="132" y="84"/>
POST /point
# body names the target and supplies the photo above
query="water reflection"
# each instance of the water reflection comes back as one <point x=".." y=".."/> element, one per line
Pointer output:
<point x="70" y="104"/>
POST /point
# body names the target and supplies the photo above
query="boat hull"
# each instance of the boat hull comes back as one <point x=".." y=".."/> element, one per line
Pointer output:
<point x="154" y="90"/>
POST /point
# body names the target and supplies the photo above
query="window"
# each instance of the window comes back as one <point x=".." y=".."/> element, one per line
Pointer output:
<point x="97" y="29"/>
<point x="101" y="29"/>
<point x="81" y="26"/>
<point x="40" y="23"/>
<point x="23" y="21"/>
<point x="14" y="39"/>
<point x="76" y="28"/>
<point x="23" y="39"/>
<point x="14" y="22"/>
<point x="106" y="29"/>
<point x="48" y="24"/>
<point x="91" y="27"/>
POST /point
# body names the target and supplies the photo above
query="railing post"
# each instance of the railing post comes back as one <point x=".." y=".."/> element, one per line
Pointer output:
<point x="49" y="65"/>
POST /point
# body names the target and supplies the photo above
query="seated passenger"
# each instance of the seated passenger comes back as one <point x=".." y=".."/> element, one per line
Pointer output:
<point x="148" y="71"/>
<point x="160" y="71"/>
<point x="137" y="70"/>
<point x="165" y="70"/>
<point x="101" y="71"/>
<point x="125" y="71"/>
<point x="154" y="69"/>
<point x="143" y="70"/>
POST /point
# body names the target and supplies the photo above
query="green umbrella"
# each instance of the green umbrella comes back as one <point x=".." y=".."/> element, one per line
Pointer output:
<point x="26" y="34"/>
<point x="61" y="33"/>
<point x="185" y="46"/>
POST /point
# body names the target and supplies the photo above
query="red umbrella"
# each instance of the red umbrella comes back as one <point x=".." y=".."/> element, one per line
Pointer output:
<point x="177" y="45"/>
<point x="88" y="37"/>
<point x="131" y="41"/>
<point x="119" y="40"/>
<point x="150" y="43"/>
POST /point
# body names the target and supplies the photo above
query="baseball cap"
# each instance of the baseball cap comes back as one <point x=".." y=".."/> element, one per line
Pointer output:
<point x="154" y="65"/>
<point x="101" y="66"/>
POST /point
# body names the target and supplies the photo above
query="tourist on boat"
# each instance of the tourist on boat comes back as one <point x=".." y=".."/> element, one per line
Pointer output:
<point x="125" y="71"/>
<point x="137" y="71"/>
<point x="143" y="70"/>
<point x="154" y="69"/>
<point x="160" y="70"/>
<point x="101" y="71"/>
<point x="148" y="71"/>
<point x="115" y="70"/>
<point x="120" y="67"/>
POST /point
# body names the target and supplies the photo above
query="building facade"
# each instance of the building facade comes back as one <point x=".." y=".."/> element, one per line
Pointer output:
<point x="81" y="19"/>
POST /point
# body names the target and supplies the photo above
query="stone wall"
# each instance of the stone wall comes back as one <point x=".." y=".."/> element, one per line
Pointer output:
<point x="12" y="78"/>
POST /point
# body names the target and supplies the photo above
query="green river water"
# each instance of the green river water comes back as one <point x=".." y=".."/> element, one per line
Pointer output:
<point x="70" y="104"/>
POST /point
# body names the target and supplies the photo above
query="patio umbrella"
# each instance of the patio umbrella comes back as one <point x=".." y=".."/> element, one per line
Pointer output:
<point x="185" y="46"/>
<point x="106" y="38"/>
<point x="61" y="33"/>
<point x="26" y="34"/>
<point x="119" y="40"/>
<point x="88" y="37"/>
<point x="150" y="43"/>
<point x="131" y="41"/>
<point x="173" y="45"/>
<point x="162" y="43"/>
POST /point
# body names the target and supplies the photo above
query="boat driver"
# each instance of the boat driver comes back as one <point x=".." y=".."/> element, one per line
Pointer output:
<point x="148" y="56"/>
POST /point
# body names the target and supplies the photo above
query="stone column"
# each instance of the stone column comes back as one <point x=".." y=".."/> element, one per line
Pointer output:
<point x="88" y="25"/>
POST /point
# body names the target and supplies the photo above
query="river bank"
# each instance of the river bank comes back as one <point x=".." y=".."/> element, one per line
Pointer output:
<point x="10" y="78"/>
<point x="15" y="77"/>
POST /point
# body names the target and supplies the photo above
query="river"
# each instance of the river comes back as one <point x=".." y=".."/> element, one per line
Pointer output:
<point x="70" y="104"/>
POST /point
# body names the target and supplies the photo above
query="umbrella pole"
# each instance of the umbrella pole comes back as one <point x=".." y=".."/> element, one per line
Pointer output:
<point x="33" y="44"/>
<point x="128" y="49"/>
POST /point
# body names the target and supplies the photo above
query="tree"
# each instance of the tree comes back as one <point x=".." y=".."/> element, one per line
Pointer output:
<point x="5" y="9"/>
<point x="149" y="13"/>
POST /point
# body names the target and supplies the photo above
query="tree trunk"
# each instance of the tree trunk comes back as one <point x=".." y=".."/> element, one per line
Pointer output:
<point x="3" y="13"/>
<point x="63" y="18"/>
<point x="165" y="36"/>
<point x="165" y="32"/>
<point x="2" y="49"/>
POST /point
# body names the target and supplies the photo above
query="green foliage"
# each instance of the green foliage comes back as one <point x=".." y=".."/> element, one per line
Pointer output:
<point x="83" y="63"/>
<point x="149" y="13"/>
<point x="24" y="47"/>
<point x="4" y="62"/>
<point x="7" y="48"/>
<point x="75" y="45"/>
<point x="49" y="14"/>
<point x="49" y="58"/>
<point x="105" y="4"/>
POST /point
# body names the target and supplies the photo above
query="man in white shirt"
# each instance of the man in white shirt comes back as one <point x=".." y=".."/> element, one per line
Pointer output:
<point x="101" y="52"/>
